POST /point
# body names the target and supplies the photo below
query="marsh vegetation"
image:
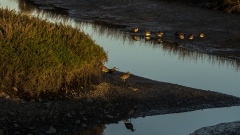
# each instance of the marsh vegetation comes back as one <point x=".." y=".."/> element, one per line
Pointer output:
<point x="40" y="57"/>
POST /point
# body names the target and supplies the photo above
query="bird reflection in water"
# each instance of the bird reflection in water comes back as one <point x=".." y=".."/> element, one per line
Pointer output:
<point x="128" y="124"/>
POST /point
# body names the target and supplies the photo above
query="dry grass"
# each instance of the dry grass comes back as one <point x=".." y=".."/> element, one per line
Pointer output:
<point x="39" y="57"/>
<point x="232" y="6"/>
<point x="229" y="6"/>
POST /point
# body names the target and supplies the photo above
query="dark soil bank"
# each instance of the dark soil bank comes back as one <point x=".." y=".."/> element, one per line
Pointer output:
<point x="109" y="102"/>
<point x="222" y="31"/>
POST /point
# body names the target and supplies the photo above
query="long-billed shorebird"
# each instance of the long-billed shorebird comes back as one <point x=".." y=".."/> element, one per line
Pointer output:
<point x="124" y="76"/>
<point x="135" y="30"/>
<point x="160" y="34"/>
<point x="190" y="36"/>
<point x="111" y="71"/>
<point x="177" y="33"/>
<point x="148" y="33"/>
<point x="201" y="35"/>
<point x="181" y="36"/>
<point x="105" y="69"/>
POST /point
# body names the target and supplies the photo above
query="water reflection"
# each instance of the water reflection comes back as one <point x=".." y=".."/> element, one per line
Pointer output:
<point x="128" y="124"/>
<point x="102" y="28"/>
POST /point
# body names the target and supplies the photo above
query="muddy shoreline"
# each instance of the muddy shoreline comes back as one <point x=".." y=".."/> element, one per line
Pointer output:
<point x="108" y="102"/>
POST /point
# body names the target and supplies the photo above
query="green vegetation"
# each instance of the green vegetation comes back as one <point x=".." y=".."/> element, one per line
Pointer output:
<point x="42" y="57"/>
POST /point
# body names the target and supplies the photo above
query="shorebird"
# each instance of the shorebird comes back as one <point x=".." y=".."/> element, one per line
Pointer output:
<point x="201" y="35"/>
<point x="177" y="33"/>
<point x="160" y="34"/>
<point x="181" y="35"/>
<point x="148" y="33"/>
<point x="125" y="76"/>
<point x="105" y="69"/>
<point x="111" y="71"/>
<point x="135" y="30"/>
<point x="190" y="36"/>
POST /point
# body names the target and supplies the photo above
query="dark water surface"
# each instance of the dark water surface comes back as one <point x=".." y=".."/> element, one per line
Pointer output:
<point x="164" y="63"/>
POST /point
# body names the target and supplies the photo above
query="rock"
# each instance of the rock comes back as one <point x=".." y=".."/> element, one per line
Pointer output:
<point x="84" y="118"/>
<point x="51" y="130"/>
<point x="12" y="114"/>
<point x="84" y="125"/>
<point x="15" y="125"/>
<point x="110" y="116"/>
<point x="32" y="100"/>
<point x="77" y="121"/>
<point x="81" y="113"/>
<point x="133" y="89"/>
<point x="89" y="100"/>
<point x="131" y="111"/>
<point x="231" y="128"/>
<point x="1" y="132"/>
<point x="47" y="105"/>
<point x="69" y="115"/>
<point x="3" y="119"/>
<point x="17" y="132"/>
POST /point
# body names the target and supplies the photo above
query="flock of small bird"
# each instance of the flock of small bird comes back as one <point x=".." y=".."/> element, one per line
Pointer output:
<point x="160" y="35"/>
<point x="123" y="76"/>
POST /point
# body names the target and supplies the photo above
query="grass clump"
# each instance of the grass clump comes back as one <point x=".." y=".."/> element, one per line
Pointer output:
<point x="40" y="57"/>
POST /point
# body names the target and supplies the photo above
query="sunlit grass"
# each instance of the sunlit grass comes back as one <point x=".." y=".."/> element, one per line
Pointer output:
<point x="39" y="57"/>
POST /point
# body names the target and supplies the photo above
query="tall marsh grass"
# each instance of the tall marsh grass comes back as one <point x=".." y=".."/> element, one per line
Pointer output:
<point x="37" y="56"/>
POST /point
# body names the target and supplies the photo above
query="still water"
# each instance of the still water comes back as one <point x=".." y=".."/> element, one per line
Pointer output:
<point x="163" y="63"/>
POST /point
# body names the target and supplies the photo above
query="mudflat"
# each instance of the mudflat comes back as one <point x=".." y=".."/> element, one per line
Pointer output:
<point x="109" y="101"/>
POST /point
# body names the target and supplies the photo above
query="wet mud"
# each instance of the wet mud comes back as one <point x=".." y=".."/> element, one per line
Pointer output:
<point x="110" y="101"/>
